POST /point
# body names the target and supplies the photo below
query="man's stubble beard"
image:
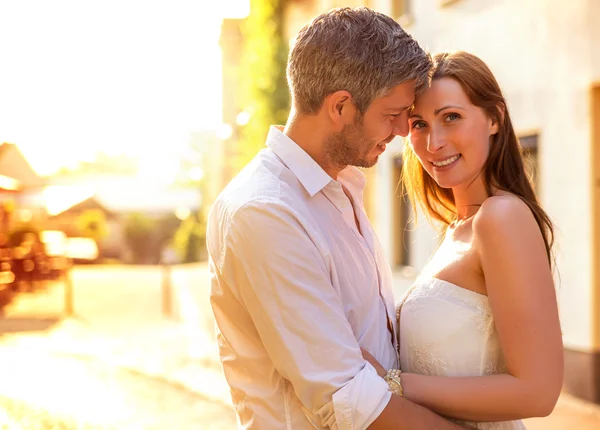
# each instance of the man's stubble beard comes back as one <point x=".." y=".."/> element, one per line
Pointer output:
<point x="347" y="148"/>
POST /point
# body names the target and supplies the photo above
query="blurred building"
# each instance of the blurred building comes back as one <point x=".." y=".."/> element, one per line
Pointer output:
<point x="18" y="182"/>
<point x="14" y="165"/>
<point x="546" y="56"/>
<point x="118" y="199"/>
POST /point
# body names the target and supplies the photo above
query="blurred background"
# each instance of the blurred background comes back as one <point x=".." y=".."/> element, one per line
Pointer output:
<point x="121" y="121"/>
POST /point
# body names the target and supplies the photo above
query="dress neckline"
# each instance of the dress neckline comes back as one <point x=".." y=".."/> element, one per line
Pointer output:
<point x="455" y="286"/>
<point x="432" y="279"/>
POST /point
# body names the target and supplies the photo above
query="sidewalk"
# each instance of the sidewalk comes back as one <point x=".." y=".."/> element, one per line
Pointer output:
<point x="119" y="324"/>
<point x="181" y="351"/>
<point x="570" y="413"/>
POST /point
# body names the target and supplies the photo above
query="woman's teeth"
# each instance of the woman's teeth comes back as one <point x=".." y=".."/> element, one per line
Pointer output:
<point x="445" y="162"/>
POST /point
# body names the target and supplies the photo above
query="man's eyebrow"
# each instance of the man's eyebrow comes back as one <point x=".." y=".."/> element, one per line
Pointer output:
<point x="398" y="109"/>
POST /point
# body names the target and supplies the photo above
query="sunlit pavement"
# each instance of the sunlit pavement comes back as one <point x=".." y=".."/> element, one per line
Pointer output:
<point x="119" y="363"/>
<point x="570" y="413"/>
<point x="41" y="390"/>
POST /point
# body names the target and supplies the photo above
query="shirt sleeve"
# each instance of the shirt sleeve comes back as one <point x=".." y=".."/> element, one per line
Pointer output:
<point x="281" y="275"/>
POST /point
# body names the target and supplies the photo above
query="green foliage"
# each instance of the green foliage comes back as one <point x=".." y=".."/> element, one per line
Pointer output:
<point x="138" y="235"/>
<point x="92" y="224"/>
<point x="189" y="241"/>
<point x="166" y="227"/>
<point x="265" y="95"/>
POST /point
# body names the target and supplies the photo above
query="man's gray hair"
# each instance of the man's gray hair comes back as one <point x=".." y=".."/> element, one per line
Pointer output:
<point x="354" y="49"/>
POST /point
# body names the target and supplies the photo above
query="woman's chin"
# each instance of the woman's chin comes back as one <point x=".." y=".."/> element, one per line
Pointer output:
<point x="446" y="183"/>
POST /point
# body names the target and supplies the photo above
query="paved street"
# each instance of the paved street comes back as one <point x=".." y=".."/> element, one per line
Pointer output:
<point x="48" y="390"/>
<point x="119" y="363"/>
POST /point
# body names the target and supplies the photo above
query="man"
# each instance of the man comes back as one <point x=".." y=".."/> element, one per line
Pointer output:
<point x="299" y="282"/>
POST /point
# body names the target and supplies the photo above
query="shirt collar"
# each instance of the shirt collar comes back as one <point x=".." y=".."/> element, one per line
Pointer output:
<point x="312" y="176"/>
<point x="353" y="179"/>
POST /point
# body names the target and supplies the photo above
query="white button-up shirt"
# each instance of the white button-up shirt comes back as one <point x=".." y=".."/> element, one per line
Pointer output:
<point x="297" y="290"/>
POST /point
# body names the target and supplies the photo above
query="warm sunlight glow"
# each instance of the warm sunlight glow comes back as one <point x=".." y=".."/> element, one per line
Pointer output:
<point x="121" y="77"/>
<point x="159" y="170"/>
<point x="242" y="118"/>
<point x="55" y="242"/>
<point x="234" y="9"/>
<point x="61" y="198"/>
<point x="196" y="173"/>
<point x="182" y="212"/>
<point x="224" y="131"/>
<point x="7" y="183"/>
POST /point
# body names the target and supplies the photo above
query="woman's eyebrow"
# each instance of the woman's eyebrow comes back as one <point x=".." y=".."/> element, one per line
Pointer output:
<point x="435" y="112"/>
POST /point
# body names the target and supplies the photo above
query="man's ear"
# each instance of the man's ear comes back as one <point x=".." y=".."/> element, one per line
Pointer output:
<point x="340" y="109"/>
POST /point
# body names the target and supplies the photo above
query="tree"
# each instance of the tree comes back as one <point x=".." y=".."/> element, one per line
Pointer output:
<point x="190" y="238"/>
<point x="265" y="96"/>
<point x="92" y="224"/>
<point x="138" y="234"/>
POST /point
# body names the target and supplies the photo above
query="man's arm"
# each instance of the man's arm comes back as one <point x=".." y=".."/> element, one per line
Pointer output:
<point x="402" y="414"/>
<point x="399" y="406"/>
<point x="279" y="273"/>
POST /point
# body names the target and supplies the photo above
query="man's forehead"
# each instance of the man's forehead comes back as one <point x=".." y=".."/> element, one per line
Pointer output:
<point x="397" y="103"/>
<point x="403" y="94"/>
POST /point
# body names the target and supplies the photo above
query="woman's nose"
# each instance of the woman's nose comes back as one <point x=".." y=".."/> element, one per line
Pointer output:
<point x="436" y="140"/>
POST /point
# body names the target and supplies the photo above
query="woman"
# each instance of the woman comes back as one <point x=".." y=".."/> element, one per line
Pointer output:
<point x="479" y="332"/>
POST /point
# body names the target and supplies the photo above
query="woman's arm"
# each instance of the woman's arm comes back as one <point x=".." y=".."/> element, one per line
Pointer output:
<point x="523" y="301"/>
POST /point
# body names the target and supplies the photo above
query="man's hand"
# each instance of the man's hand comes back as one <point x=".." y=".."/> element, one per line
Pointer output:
<point x="381" y="371"/>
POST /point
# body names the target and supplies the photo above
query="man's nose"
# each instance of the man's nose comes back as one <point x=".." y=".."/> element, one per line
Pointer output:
<point x="401" y="126"/>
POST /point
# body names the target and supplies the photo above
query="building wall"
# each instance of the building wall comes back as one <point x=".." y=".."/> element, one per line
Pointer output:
<point x="300" y="12"/>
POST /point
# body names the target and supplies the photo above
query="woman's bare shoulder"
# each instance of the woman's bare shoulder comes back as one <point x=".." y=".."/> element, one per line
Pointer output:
<point x="503" y="214"/>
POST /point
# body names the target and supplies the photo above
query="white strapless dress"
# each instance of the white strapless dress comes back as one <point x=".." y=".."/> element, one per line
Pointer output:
<point x="446" y="330"/>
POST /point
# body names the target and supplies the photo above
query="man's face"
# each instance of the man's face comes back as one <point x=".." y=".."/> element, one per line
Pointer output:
<point x="361" y="143"/>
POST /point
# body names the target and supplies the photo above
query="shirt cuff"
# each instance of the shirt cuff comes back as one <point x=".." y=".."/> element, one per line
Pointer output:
<point x="358" y="403"/>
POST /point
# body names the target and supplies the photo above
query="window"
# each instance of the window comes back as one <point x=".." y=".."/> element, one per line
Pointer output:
<point x="401" y="211"/>
<point x="529" y="143"/>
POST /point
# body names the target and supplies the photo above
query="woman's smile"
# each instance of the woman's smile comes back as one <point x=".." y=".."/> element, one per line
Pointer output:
<point x="446" y="163"/>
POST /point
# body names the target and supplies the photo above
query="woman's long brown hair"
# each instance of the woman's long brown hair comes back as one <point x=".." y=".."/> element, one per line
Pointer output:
<point x="503" y="169"/>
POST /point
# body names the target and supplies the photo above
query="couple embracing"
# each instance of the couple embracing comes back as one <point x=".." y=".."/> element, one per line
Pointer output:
<point x="309" y="333"/>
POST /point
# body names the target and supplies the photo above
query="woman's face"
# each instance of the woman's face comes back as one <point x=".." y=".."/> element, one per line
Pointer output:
<point x="450" y="135"/>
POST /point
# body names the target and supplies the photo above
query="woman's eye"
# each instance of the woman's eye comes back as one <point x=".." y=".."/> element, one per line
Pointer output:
<point x="417" y="125"/>
<point x="452" y="117"/>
